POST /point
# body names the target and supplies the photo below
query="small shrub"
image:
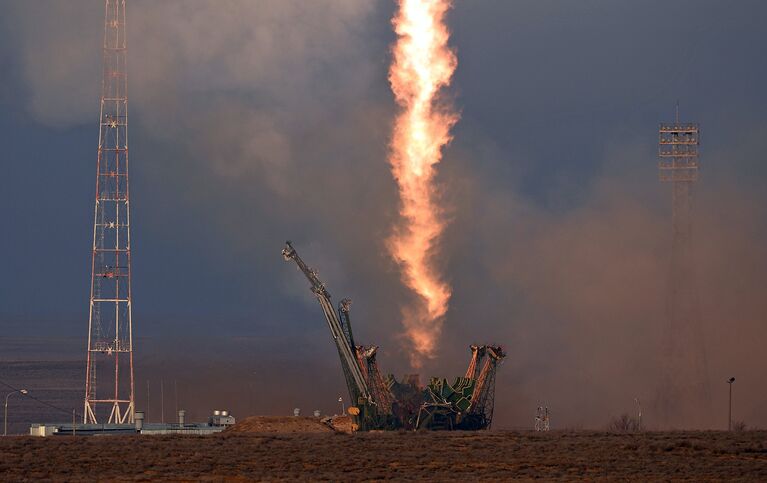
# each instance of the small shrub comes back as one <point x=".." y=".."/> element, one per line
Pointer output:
<point x="623" y="424"/>
<point x="739" y="426"/>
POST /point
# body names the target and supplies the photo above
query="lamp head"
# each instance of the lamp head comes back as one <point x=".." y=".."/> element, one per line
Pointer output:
<point x="731" y="380"/>
<point x="23" y="391"/>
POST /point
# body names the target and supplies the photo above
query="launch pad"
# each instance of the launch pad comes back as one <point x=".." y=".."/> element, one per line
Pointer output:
<point x="380" y="403"/>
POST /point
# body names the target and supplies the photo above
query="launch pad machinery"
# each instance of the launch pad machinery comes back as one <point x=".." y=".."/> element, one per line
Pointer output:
<point x="383" y="403"/>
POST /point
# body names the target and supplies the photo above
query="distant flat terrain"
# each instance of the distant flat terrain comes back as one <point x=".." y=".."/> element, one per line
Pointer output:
<point x="652" y="456"/>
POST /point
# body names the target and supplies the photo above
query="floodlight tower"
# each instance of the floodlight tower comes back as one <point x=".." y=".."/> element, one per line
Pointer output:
<point x="685" y="382"/>
<point x="109" y="391"/>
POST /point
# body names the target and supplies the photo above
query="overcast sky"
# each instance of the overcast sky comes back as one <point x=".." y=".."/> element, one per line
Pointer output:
<point x="253" y="122"/>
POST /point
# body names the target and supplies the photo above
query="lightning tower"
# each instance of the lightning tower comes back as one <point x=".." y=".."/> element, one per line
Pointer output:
<point x="109" y="391"/>
<point x="684" y="385"/>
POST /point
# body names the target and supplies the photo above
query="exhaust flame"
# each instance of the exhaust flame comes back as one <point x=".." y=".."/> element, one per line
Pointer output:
<point x="422" y="64"/>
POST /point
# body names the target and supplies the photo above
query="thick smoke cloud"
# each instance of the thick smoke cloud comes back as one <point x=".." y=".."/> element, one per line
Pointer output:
<point x="252" y="122"/>
<point x="580" y="299"/>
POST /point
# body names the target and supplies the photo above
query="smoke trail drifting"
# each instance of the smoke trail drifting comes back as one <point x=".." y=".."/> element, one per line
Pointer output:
<point x="422" y="64"/>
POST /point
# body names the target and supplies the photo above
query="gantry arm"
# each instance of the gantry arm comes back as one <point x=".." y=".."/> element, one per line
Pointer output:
<point x="485" y="380"/>
<point x="355" y="380"/>
<point x="344" y="306"/>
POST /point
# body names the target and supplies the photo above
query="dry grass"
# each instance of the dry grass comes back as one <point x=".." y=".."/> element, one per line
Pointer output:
<point x="582" y="455"/>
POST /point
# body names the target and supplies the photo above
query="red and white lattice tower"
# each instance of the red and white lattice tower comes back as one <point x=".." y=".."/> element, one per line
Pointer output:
<point x="109" y="394"/>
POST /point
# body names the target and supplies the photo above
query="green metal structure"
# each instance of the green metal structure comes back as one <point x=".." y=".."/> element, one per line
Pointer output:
<point x="379" y="403"/>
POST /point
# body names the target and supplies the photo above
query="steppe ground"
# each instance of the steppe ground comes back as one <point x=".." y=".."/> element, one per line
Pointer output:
<point x="497" y="455"/>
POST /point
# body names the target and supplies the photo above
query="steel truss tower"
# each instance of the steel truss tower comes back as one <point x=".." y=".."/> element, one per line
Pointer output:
<point x="684" y="388"/>
<point x="109" y="392"/>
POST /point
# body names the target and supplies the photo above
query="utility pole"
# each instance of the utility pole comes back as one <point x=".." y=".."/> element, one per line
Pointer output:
<point x="162" y="401"/>
<point x="252" y="398"/>
<point x="110" y="326"/>
<point x="639" y="421"/>
<point x="729" y="411"/>
<point x="253" y="394"/>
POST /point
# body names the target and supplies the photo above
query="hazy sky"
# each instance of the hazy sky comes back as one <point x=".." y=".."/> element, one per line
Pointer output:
<point x="253" y="122"/>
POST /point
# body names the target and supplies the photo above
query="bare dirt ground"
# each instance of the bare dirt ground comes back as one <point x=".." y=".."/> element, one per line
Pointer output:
<point x="336" y="456"/>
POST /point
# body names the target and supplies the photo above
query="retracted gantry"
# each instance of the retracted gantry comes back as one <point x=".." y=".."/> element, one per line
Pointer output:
<point x="341" y="331"/>
<point x="378" y="403"/>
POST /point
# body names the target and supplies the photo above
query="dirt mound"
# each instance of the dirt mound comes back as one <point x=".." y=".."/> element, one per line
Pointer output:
<point x="280" y="424"/>
<point x="341" y="423"/>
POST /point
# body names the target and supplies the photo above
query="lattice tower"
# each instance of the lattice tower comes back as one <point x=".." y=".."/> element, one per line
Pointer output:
<point x="109" y="385"/>
<point x="684" y="391"/>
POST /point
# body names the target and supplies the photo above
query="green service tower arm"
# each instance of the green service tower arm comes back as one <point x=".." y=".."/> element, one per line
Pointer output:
<point x="355" y="381"/>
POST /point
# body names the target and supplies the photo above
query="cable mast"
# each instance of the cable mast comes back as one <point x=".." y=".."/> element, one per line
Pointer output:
<point x="109" y="390"/>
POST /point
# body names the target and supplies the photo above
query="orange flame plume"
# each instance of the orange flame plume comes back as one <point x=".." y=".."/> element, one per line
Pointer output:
<point x="422" y="64"/>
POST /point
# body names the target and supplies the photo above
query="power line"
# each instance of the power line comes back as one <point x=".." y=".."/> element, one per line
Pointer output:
<point x="44" y="403"/>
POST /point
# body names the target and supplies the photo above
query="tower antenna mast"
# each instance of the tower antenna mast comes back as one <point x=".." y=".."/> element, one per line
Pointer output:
<point x="109" y="388"/>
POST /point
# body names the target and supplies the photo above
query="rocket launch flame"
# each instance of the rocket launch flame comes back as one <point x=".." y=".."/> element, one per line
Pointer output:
<point x="422" y="64"/>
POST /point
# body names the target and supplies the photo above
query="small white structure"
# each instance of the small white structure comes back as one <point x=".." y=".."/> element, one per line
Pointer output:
<point x="42" y="429"/>
<point x="221" y="418"/>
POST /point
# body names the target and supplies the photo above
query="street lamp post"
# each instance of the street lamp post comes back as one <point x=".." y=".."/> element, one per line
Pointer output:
<point x="729" y="411"/>
<point x="639" y="422"/>
<point x="5" y="416"/>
